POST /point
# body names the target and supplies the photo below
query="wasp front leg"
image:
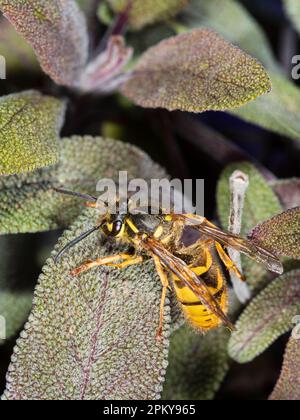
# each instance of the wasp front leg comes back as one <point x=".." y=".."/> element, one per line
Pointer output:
<point x="165" y="284"/>
<point x="229" y="264"/>
<point x="116" y="261"/>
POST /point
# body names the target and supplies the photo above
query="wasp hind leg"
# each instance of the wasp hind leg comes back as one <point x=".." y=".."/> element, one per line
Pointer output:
<point x="165" y="284"/>
<point x="229" y="264"/>
<point x="117" y="261"/>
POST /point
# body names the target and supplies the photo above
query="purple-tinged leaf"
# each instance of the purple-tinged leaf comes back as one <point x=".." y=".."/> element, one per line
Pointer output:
<point x="280" y="234"/>
<point x="56" y="30"/>
<point x="102" y="73"/>
<point x="196" y="71"/>
<point x="288" y="385"/>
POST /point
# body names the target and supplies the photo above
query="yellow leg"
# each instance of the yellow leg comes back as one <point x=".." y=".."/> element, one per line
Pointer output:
<point x="229" y="264"/>
<point x="106" y="261"/>
<point x="165" y="284"/>
<point x="127" y="263"/>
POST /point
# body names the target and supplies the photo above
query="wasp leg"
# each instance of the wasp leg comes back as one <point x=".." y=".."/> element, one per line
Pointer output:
<point x="90" y="204"/>
<point x="106" y="261"/>
<point x="165" y="284"/>
<point x="229" y="264"/>
<point x="127" y="263"/>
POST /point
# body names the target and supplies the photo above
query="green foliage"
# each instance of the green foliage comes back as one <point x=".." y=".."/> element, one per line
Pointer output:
<point x="92" y="337"/>
<point x="281" y="233"/>
<point x="288" y="385"/>
<point x="146" y="12"/>
<point x="266" y="318"/>
<point x="196" y="72"/>
<point x="261" y="204"/>
<point x="28" y="203"/>
<point x="293" y="11"/>
<point x="197" y="364"/>
<point x="57" y="32"/>
<point x="277" y="111"/>
<point x="30" y="125"/>
<point x="18" y="54"/>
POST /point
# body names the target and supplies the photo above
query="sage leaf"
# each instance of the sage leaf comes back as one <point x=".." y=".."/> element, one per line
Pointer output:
<point x="197" y="364"/>
<point x="288" y="385"/>
<point x="19" y="56"/>
<point x="277" y="111"/>
<point x="29" y="129"/>
<point x="146" y="12"/>
<point x="293" y="11"/>
<point x="196" y="71"/>
<point x="28" y="202"/>
<point x="267" y="317"/>
<point x="281" y="233"/>
<point x="57" y="32"/>
<point x="91" y="337"/>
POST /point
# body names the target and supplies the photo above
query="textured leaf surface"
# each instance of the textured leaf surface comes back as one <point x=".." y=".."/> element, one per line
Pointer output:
<point x="288" y="191"/>
<point x="197" y="364"/>
<point x="18" y="54"/>
<point x="266" y="318"/>
<point x="261" y="204"/>
<point x="281" y="233"/>
<point x="196" y="71"/>
<point x="293" y="10"/>
<point x="93" y="337"/>
<point x="29" y="129"/>
<point x="278" y="111"/>
<point x="219" y="15"/>
<point x="28" y="202"/>
<point x="56" y="30"/>
<point x="288" y="385"/>
<point x="145" y="12"/>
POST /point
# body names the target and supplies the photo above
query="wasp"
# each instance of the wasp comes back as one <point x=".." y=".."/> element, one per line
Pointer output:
<point x="196" y="271"/>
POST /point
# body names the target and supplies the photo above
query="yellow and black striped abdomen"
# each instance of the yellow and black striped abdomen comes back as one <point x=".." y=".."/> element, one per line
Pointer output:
<point x="197" y="314"/>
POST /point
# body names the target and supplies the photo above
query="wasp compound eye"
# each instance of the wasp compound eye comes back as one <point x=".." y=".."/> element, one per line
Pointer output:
<point x="113" y="228"/>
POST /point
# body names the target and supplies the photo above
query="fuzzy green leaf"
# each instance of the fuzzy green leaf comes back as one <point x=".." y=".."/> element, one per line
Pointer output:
<point x="281" y="234"/>
<point x="57" y="32"/>
<point x="19" y="56"/>
<point x="267" y="317"/>
<point x="288" y="192"/>
<point x="28" y="202"/>
<point x="261" y="204"/>
<point x="197" y="71"/>
<point x="293" y="11"/>
<point x="278" y="111"/>
<point x="288" y="385"/>
<point x="29" y="129"/>
<point x="91" y="337"/>
<point x="197" y="364"/>
<point x="146" y="12"/>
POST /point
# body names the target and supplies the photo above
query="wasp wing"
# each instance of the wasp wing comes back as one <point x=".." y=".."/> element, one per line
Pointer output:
<point x="242" y="245"/>
<point x="188" y="277"/>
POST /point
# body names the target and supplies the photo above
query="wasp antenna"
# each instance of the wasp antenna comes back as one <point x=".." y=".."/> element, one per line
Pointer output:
<point x="75" y="241"/>
<point x="76" y="194"/>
